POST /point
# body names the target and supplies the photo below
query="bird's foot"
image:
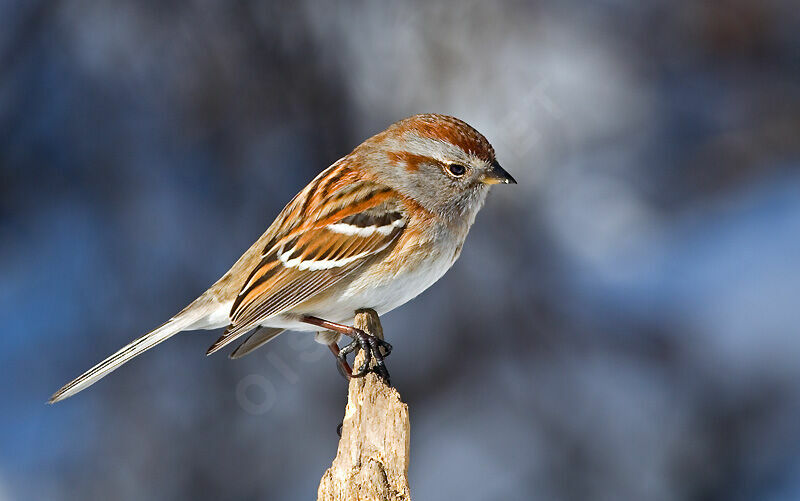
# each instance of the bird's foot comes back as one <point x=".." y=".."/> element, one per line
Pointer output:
<point x="374" y="349"/>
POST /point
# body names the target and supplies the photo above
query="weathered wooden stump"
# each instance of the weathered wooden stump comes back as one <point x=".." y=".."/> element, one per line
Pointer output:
<point x="371" y="463"/>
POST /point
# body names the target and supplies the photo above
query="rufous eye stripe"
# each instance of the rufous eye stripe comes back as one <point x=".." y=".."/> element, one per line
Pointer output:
<point x="410" y="161"/>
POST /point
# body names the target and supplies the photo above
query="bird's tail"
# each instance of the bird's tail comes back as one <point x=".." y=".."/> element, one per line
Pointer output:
<point x="259" y="338"/>
<point x="180" y="322"/>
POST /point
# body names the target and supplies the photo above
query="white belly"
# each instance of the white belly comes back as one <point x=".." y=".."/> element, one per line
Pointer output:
<point x="385" y="297"/>
<point x="364" y="292"/>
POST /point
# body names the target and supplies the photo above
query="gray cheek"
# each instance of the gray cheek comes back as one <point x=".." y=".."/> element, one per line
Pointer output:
<point x="472" y="199"/>
<point x="433" y="186"/>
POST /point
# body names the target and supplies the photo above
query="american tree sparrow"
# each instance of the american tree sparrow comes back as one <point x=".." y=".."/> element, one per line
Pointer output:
<point x="373" y="230"/>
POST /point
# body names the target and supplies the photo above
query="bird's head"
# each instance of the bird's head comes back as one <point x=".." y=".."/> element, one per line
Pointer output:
<point x="438" y="160"/>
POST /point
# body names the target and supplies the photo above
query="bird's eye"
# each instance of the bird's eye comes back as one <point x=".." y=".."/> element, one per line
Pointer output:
<point x="457" y="170"/>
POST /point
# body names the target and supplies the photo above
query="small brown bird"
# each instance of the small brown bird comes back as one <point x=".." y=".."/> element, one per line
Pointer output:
<point x="373" y="230"/>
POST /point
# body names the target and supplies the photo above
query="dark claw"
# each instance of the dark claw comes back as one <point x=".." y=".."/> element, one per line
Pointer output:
<point x="374" y="348"/>
<point x="363" y="343"/>
<point x="344" y="367"/>
<point x="351" y="347"/>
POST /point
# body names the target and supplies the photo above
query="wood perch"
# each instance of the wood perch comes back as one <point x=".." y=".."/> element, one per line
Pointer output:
<point x="371" y="463"/>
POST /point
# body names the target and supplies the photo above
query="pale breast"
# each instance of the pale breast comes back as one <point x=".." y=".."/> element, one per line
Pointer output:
<point x="402" y="276"/>
<point x="408" y="270"/>
<point x="384" y="296"/>
<point x="369" y="290"/>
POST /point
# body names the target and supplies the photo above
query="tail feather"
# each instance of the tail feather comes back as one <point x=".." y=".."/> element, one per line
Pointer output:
<point x="259" y="338"/>
<point x="131" y="350"/>
<point x="228" y="336"/>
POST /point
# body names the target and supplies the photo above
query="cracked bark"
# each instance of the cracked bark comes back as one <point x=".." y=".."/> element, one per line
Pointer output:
<point x="372" y="459"/>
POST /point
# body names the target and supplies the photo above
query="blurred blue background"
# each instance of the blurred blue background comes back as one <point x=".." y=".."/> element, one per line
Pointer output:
<point x="623" y="324"/>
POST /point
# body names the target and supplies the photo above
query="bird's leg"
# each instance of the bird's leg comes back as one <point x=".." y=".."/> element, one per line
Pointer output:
<point x="373" y="346"/>
<point x="341" y="362"/>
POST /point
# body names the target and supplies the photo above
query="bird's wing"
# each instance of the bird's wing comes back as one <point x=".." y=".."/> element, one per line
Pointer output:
<point x="355" y="223"/>
<point x="257" y="339"/>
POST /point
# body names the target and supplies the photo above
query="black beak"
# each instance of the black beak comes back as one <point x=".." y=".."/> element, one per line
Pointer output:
<point x="498" y="175"/>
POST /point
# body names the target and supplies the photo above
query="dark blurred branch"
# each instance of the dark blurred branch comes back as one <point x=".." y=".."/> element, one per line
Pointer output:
<point x="372" y="460"/>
